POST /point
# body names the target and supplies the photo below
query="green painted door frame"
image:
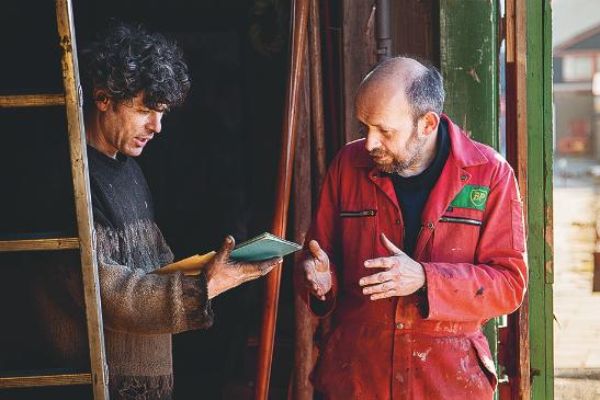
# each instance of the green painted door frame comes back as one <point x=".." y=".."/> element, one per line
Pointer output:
<point x="539" y="186"/>
<point x="469" y="63"/>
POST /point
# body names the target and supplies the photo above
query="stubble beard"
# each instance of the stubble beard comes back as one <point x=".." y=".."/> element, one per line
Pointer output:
<point x="397" y="166"/>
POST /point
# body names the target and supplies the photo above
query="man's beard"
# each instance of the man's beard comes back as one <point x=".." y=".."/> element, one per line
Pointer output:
<point x="397" y="166"/>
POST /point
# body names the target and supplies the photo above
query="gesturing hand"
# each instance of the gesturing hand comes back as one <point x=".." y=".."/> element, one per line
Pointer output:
<point x="401" y="276"/>
<point x="223" y="273"/>
<point x="316" y="270"/>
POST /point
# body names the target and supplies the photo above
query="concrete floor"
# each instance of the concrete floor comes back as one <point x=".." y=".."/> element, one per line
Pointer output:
<point x="576" y="308"/>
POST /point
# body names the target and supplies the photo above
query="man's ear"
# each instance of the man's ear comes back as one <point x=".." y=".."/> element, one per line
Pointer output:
<point x="101" y="99"/>
<point x="429" y="123"/>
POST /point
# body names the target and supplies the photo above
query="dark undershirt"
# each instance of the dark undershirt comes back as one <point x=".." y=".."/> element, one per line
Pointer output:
<point x="412" y="192"/>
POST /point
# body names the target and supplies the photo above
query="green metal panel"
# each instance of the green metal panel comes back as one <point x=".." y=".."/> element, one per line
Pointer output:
<point x="468" y="52"/>
<point x="539" y="170"/>
<point x="469" y="63"/>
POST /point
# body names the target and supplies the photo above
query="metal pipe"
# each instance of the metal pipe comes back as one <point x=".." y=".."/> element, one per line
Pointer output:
<point x="316" y="90"/>
<point x="299" y="18"/>
<point x="383" y="33"/>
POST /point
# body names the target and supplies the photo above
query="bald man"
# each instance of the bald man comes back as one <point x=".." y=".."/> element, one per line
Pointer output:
<point x="417" y="241"/>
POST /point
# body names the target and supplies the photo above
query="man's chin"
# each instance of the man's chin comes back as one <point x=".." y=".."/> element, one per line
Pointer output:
<point x="387" y="168"/>
<point x="133" y="152"/>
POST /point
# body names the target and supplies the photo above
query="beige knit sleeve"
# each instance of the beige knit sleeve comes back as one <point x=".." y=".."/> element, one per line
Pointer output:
<point x="134" y="300"/>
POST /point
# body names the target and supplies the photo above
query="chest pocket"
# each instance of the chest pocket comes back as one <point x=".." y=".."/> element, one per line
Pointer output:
<point x="456" y="236"/>
<point x="358" y="229"/>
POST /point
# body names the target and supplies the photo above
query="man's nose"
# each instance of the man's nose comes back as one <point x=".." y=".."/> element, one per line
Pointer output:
<point x="372" y="142"/>
<point x="155" y="122"/>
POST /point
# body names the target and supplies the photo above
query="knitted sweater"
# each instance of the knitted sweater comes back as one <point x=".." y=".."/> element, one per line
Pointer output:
<point x="140" y="310"/>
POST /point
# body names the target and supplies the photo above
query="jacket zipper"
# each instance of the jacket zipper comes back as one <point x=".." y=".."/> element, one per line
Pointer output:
<point x="354" y="214"/>
<point x="457" y="220"/>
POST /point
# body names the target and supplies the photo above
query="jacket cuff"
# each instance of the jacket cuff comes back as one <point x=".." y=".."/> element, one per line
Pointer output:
<point x="197" y="305"/>
<point x="323" y="308"/>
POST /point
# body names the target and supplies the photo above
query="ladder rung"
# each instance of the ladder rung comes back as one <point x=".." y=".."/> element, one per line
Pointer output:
<point x="39" y="244"/>
<point x="32" y="100"/>
<point x="33" y="379"/>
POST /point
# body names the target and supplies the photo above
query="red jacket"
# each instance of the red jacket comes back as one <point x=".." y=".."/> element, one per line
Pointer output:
<point x="428" y="345"/>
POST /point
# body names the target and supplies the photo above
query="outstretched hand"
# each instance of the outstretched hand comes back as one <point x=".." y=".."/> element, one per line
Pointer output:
<point x="223" y="273"/>
<point x="401" y="276"/>
<point x="316" y="270"/>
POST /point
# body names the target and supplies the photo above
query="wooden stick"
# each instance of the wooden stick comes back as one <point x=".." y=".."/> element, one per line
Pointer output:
<point x="516" y="141"/>
<point x="305" y="325"/>
<point x="299" y="20"/>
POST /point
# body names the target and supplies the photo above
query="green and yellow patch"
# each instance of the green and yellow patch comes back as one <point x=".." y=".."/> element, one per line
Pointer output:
<point x="472" y="196"/>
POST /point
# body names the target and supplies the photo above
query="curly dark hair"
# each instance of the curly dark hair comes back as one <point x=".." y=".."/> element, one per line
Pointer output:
<point x="127" y="60"/>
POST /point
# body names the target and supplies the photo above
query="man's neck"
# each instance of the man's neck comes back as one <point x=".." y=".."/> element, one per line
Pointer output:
<point x="428" y="153"/>
<point x="96" y="140"/>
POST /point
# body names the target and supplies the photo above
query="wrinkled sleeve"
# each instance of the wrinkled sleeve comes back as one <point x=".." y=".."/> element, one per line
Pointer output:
<point x="139" y="302"/>
<point x="325" y="230"/>
<point x="496" y="283"/>
<point x="135" y="301"/>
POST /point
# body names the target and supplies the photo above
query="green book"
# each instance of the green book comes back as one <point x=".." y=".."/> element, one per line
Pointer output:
<point x="263" y="247"/>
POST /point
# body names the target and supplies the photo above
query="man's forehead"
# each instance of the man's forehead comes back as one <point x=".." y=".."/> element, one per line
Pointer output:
<point x="141" y="101"/>
<point x="380" y="97"/>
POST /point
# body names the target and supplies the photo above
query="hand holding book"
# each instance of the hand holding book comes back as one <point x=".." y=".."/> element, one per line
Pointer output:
<point x="260" y="248"/>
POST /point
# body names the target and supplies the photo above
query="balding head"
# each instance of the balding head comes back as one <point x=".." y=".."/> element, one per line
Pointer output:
<point x="420" y="86"/>
<point x="399" y="105"/>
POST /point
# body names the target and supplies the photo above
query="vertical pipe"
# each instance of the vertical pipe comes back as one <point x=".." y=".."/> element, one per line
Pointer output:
<point x="305" y="322"/>
<point x="316" y="90"/>
<point x="299" y="18"/>
<point x="383" y="31"/>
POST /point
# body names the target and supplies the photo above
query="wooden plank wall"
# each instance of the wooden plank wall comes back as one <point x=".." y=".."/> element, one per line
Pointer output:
<point x="416" y="29"/>
<point x="359" y="55"/>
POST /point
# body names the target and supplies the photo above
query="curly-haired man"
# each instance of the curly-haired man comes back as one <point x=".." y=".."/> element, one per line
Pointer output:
<point x="130" y="79"/>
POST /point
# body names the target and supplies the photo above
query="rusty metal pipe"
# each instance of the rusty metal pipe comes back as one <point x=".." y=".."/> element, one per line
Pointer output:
<point x="299" y="18"/>
<point x="383" y="33"/>
<point x="316" y="90"/>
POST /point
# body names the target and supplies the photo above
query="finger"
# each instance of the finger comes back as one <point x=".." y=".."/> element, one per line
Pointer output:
<point x="380" y="288"/>
<point x="381" y="262"/>
<point x="375" y="279"/>
<point x="318" y="253"/>
<point x="389" y="245"/>
<point x="226" y="248"/>
<point x="261" y="266"/>
<point x="379" y="296"/>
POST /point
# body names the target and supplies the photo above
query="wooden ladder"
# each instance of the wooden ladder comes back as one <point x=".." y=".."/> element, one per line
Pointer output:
<point x="71" y="99"/>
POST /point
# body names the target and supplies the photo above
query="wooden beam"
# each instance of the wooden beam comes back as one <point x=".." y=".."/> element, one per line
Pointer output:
<point x="32" y="100"/>
<point x="83" y="201"/>
<point x="539" y="189"/>
<point x="45" y="379"/>
<point x="39" y="244"/>
<point x="518" y="338"/>
<point x="305" y="322"/>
